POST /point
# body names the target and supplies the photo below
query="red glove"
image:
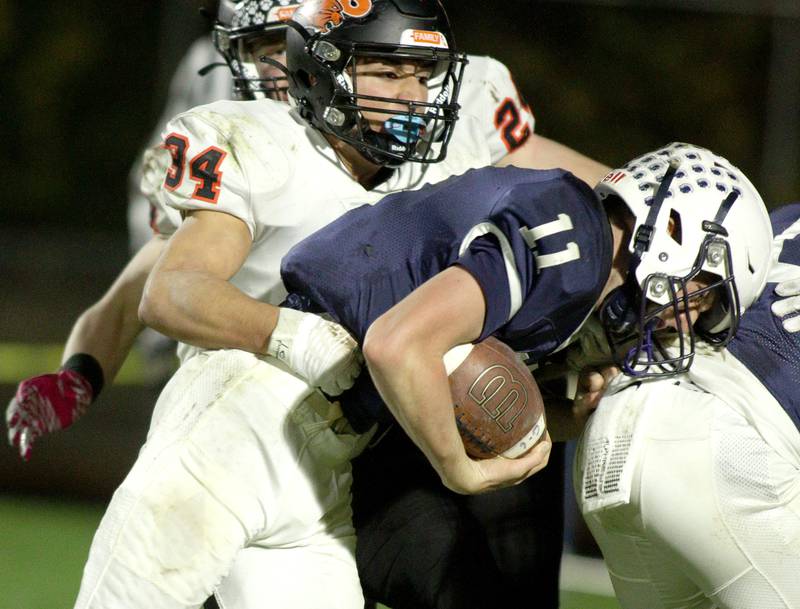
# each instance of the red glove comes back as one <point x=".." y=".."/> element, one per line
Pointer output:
<point x="44" y="404"/>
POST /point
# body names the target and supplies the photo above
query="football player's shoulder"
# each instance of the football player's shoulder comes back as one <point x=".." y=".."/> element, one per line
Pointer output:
<point x="784" y="218"/>
<point x="551" y="193"/>
<point x="557" y="178"/>
<point x="468" y="147"/>
<point x="487" y="81"/>
<point x="489" y="93"/>
<point x="233" y="116"/>
<point x="258" y="134"/>
<point x="482" y="68"/>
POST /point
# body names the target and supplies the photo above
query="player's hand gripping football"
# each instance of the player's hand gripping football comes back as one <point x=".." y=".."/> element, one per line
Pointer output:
<point x="473" y="476"/>
<point x="788" y="305"/>
<point x="44" y="404"/>
<point x="320" y="351"/>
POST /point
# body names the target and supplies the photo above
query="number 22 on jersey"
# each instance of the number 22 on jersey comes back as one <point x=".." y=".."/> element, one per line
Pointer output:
<point x="203" y="168"/>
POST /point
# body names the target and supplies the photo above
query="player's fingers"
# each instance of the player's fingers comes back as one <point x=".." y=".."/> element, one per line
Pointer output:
<point x="609" y="374"/>
<point x="543" y="450"/>
<point x="792" y="324"/>
<point x="785" y="306"/>
<point x="586" y="403"/>
<point x="12" y="412"/>
<point x="790" y="287"/>
<point x="354" y="369"/>
<point x="12" y="421"/>
<point x="22" y="439"/>
<point x="591" y="381"/>
<point x="533" y="460"/>
<point x="26" y="438"/>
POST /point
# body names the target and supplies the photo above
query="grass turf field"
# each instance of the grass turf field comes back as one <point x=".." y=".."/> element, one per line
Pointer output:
<point x="44" y="544"/>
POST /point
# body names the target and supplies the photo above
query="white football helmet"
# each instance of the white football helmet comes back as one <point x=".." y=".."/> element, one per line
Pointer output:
<point x="695" y="213"/>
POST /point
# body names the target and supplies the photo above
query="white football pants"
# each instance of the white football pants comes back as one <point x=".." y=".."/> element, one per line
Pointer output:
<point x="714" y="513"/>
<point x="242" y="459"/>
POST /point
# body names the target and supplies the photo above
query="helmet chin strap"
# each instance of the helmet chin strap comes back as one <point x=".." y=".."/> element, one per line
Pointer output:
<point x="647" y="345"/>
<point x="644" y="234"/>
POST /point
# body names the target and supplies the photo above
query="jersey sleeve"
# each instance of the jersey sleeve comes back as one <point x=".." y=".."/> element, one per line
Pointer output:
<point x="204" y="172"/>
<point x="541" y="266"/>
<point x="490" y="260"/>
<point x="162" y="219"/>
<point x="489" y="94"/>
<point x="187" y="89"/>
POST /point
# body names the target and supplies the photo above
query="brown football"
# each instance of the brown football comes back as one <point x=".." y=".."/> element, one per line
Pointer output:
<point x="498" y="406"/>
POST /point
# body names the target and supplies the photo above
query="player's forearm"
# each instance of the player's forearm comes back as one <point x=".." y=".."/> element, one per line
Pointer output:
<point x="108" y="329"/>
<point x="106" y="333"/>
<point x="414" y="386"/>
<point x="543" y="153"/>
<point x="206" y="311"/>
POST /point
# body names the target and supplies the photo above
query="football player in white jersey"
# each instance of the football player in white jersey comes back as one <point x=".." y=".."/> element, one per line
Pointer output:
<point x="689" y="482"/>
<point x="242" y="451"/>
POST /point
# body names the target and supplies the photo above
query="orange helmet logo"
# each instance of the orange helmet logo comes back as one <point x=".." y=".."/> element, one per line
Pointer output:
<point x="329" y="14"/>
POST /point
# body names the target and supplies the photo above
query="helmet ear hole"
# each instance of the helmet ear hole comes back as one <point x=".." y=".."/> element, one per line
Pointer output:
<point x="675" y="227"/>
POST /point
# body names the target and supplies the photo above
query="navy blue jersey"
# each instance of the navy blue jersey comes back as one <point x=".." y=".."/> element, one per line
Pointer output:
<point x="538" y="243"/>
<point x="771" y="353"/>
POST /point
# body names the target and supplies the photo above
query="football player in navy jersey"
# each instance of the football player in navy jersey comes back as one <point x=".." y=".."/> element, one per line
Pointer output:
<point x="526" y="256"/>
<point x="705" y="512"/>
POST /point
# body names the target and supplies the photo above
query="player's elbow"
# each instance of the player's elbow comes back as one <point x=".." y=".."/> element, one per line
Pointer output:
<point x="153" y="307"/>
<point x="386" y="345"/>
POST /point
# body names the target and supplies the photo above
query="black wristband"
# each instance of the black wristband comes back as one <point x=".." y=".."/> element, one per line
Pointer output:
<point x="89" y="368"/>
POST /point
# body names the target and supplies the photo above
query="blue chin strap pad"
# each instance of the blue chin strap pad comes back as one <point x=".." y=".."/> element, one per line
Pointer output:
<point x="405" y="128"/>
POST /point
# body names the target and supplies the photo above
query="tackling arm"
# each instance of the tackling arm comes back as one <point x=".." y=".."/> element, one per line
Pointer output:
<point x="189" y="297"/>
<point x="541" y="153"/>
<point x="404" y="349"/>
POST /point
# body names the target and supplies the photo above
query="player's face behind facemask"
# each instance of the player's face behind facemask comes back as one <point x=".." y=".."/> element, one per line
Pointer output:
<point x="261" y="57"/>
<point x="382" y="76"/>
<point x="251" y="36"/>
<point x="393" y="94"/>
<point x="699" y="254"/>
